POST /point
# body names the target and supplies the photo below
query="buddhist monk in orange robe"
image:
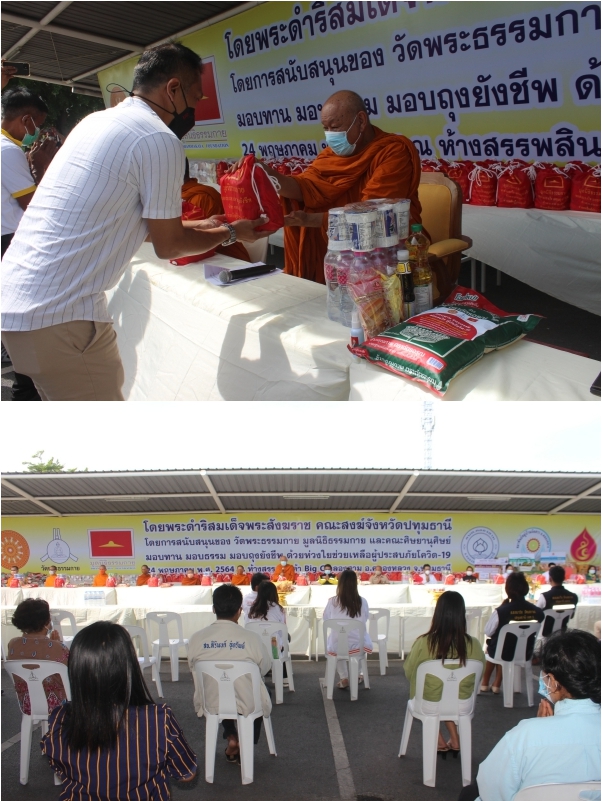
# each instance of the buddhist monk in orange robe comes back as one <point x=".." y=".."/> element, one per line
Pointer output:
<point x="284" y="570"/>
<point x="209" y="199"/>
<point x="50" y="578"/>
<point x="190" y="580"/>
<point x="100" y="579"/>
<point x="240" y="578"/>
<point x="144" y="576"/>
<point x="380" y="165"/>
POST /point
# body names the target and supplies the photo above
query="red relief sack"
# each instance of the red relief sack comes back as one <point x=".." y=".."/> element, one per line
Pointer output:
<point x="430" y="165"/>
<point x="483" y="186"/>
<point x="514" y="188"/>
<point x="552" y="189"/>
<point x="458" y="171"/>
<point x="250" y="192"/>
<point x="585" y="191"/>
<point x="192" y="212"/>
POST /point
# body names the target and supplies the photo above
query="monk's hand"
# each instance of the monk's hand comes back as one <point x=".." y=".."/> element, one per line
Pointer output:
<point x="304" y="219"/>
<point x="236" y="166"/>
<point x="546" y="710"/>
<point x="245" y="229"/>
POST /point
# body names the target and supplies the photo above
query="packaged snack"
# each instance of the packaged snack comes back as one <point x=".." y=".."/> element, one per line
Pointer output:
<point x="250" y="192"/>
<point x="435" y="346"/>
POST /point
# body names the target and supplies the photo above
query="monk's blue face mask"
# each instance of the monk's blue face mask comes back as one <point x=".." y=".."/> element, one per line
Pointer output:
<point x="338" y="142"/>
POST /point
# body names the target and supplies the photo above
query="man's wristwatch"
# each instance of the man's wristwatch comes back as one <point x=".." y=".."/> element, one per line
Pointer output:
<point x="232" y="238"/>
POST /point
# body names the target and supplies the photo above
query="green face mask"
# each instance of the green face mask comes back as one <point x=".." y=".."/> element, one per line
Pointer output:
<point x="29" y="139"/>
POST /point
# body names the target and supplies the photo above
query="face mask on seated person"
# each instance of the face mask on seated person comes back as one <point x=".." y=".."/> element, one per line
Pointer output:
<point x="284" y="564"/>
<point x="327" y="572"/>
<point x="338" y="142"/>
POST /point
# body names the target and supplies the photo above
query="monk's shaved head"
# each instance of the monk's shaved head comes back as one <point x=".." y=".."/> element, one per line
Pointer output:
<point x="346" y="101"/>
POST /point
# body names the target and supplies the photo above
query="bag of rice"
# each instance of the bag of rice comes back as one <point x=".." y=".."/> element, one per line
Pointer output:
<point x="435" y="346"/>
<point x="250" y="192"/>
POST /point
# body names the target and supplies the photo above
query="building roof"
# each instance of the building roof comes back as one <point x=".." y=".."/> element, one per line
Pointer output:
<point x="68" y="43"/>
<point x="299" y="490"/>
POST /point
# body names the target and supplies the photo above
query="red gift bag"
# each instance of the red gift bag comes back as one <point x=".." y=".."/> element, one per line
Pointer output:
<point x="552" y="189"/>
<point x="458" y="171"/>
<point x="585" y="191"/>
<point x="250" y="192"/>
<point x="430" y="165"/>
<point x="514" y="188"/>
<point x="483" y="186"/>
<point x="192" y="212"/>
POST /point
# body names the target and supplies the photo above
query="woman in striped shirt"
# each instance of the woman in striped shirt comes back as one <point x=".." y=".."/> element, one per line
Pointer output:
<point x="112" y="741"/>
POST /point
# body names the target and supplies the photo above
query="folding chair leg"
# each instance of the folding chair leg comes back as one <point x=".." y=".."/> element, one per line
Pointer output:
<point x="269" y="733"/>
<point x="26" y="731"/>
<point x="331" y="666"/>
<point x="175" y="665"/>
<point x="364" y="667"/>
<point x="245" y="743"/>
<point x="430" y="733"/>
<point x="289" y="673"/>
<point x="157" y="679"/>
<point x="508" y="682"/>
<point x="405" y="735"/>
<point x="353" y="677"/>
<point x="211" y="732"/>
<point x="465" y="734"/>
<point x="277" y="678"/>
<point x="382" y="658"/>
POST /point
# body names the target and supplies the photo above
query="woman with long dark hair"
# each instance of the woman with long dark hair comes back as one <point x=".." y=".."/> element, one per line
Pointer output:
<point x="446" y="639"/>
<point x="562" y="744"/>
<point x="347" y="604"/>
<point x="112" y="741"/>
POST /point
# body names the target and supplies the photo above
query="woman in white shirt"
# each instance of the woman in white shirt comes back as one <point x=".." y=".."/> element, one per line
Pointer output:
<point x="267" y="608"/>
<point x="347" y="605"/>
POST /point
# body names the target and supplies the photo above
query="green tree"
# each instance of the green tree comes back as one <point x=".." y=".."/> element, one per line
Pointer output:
<point x="52" y="465"/>
<point x="66" y="108"/>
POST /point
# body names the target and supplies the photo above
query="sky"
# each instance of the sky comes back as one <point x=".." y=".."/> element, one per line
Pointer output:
<point x="155" y="436"/>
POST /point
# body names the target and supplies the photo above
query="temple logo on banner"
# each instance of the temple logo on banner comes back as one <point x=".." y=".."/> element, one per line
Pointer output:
<point x="533" y="541"/>
<point x="57" y="549"/>
<point x="111" y="543"/>
<point x="479" y="543"/>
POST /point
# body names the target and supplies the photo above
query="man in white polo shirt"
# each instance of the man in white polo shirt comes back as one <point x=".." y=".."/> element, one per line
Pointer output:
<point x="116" y="180"/>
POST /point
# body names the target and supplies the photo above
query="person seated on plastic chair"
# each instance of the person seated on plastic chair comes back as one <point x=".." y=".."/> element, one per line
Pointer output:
<point x="562" y="744"/>
<point x="514" y="608"/>
<point x="267" y="607"/>
<point x="240" y="578"/>
<point x="39" y="641"/>
<point x="112" y="741"/>
<point x="469" y="574"/>
<point x="327" y="576"/>
<point x="427" y="575"/>
<point x="378" y="577"/>
<point x="347" y="604"/>
<point x="558" y="595"/>
<point x="447" y="638"/>
<point x="225" y="640"/>
<point x="249" y="598"/>
<point x="191" y="579"/>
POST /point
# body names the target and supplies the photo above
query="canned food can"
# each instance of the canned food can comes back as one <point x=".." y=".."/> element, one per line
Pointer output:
<point x="386" y="226"/>
<point x="402" y="213"/>
<point x="362" y="228"/>
<point x="338" y="230"/>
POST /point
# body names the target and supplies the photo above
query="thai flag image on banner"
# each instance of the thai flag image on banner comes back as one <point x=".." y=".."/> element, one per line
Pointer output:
<point x="111" y="542"/>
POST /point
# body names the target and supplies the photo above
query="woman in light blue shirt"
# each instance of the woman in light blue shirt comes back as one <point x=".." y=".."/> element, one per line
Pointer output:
<point x="562" y="744"/>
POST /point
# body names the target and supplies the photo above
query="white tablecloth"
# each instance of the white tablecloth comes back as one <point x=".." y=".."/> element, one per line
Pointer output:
<point x="523" y="371"/>
<point x="181" y="338"/>
<point x="158" y="597"/>
<point x="58" y="598"/>
<point x="557" y="252"/>
<point x="11" y="597"/>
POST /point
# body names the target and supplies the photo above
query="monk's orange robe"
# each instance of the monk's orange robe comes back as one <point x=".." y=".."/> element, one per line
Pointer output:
<point x="210" y="200"/>
<point x="100" y="580"/>
<point x="287" y="572"/>
<point x="388" y="167"/>
<point x="50" y="581"/>
<point x="142" y="579"/>
<point x="191" y="582"/>
<point x="239" y="581"/>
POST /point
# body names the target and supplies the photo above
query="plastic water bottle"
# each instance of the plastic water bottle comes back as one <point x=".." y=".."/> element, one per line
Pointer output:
<point x="346" y="304"/>
<point x="422" y="275"/>
<point x="333" y="297"/>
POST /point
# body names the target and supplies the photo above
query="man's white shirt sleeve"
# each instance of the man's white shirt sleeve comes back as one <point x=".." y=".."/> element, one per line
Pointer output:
<point x="160" y="161"/>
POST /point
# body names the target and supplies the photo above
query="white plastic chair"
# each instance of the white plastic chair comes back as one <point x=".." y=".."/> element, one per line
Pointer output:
<point x="559" y="617"/>
<point x="380" y="638"/>
<point x="473" y="615"/>
<point x="342" y="628"/>
<point x="448" y="708"/>
<point x="33" y="672"/>
<point x="146" y="661"/>
<point x="257" y="250"/>
<point x="57" y="616"/>
<point x="556" y="792"/>
<point x="524" y="632"/>
<point x="162" y="620"/>
<point x="225" y="674"/>
<point x="268" y="629"/>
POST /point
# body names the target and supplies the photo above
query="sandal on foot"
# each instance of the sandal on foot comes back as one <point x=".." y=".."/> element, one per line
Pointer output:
<point x="495" y="690"/>
<point x="342" y="686"/>
<point x="484" y="688"/>
<point x="233" y="758"/>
